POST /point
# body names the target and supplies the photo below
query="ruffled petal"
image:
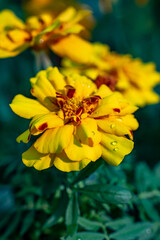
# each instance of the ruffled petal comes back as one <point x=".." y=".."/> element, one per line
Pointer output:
<point x="43" y="89"/>
<point x="87" y="132"/>
<point x="54" y="140"/>
<point x="84" y="86"/>
<point x="56" y="78"/>
<point x="26" y="107"/>
<point x="8" y="18"/>
<point x="38" y="160"/>
<point x="77" y="151"/>
<point x="115" y="104"/>
<point x="42" y="122"/>
<point x="103" y="91"/>
<point x="115" y="148"/>
<point x="118" y="126"/>
<point x="63" y="163"/>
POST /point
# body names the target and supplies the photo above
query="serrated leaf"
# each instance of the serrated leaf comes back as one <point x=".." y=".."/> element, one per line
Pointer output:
<point x="133" y="231"/>
<point x="107" y="193"/>
<point x="72" y="214"/>
<point x="27" y="222"/>
<point x="59" y="211"/>
<point x="89" y="224"/>
<point x="87" y="171"/>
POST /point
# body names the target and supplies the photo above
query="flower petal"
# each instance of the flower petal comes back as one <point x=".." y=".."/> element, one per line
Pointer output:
<point x="24" y="137"/>
<point x="63" y="163"/>
<point x="43" y="89"/>
<point x="8" y="18"/>
<point x="103" y="91"/>
<point x="115" y="148"/>
<point x="118" y="126"/>
<point x="84" y="86"/>
<point x="77" y="151"/>
<point x="115" y="104"/>
<point x="26" y="107"/>
<point x="54" y="140"/>
<point x="56" y="78"/>
<point x="87" y="132"/>
<point x="42" y="122"/>
<point x="73" y="47"/>
<point x="38" y="160"/>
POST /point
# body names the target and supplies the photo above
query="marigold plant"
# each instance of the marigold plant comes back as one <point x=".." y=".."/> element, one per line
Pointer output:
<point x="78" y="123"/>
<point x="39" y="32"/>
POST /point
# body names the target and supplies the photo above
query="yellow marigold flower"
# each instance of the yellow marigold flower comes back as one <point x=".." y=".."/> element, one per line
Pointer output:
<point x="39" y="32"/>
<point x="133" y="78"/>
<point x="78" y="123"/>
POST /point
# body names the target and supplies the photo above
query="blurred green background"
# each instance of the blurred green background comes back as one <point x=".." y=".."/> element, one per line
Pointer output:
<point x="32" y="203"/>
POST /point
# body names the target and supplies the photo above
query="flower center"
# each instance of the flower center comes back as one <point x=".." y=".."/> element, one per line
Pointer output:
<point x="109" y="80"/>
<point x="73" y="108"/>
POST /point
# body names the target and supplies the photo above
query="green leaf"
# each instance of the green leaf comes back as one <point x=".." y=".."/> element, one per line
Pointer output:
<point x="59" y="211"/>
<point x="89" y="224"/>
<point x="133" y="231"/>
<point x="55" y="25"/>
<point x="27" y="222"/>
<point x="72" y="214"/>
<point x="107" y="193"/>
<point x="119" y="223"/>
<point x="87" y="236"/>
<point x="87" y="171"/>
<point x="12" y="226"/>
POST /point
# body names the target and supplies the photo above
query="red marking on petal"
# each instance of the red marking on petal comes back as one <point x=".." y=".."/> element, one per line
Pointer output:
<point x="131" y="133"/>
<point x="71" y="92"/>
<point x="43" y="126"/>
<point x="79" y="110"/>
<point x="32" y="90"/>
<point x="116" y="110"/>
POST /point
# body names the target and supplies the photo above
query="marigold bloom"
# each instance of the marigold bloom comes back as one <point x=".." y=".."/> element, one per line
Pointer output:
<point x="133" y="78"/>
<point x="78" y="123"/>
<point x="39" y="32"/>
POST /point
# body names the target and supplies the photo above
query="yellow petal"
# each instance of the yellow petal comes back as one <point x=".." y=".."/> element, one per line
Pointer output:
<point x="115" y="104"/>
<point x="56" y="78"/>
<point x="8" y="18"/>
<point x="43" y="89"/>
<point x="104" y="91"/>
<point x="26" y="107"/>
<point x="54" y="140"/>
<point x="62" y="162"/>
<point x="118" y="125"/>
<point x="73" y="47"/>
<point x="38" y="160"/>
<point x="42" y="122"/>
<point x="87" y="132"/>
<point x="84" y="86"/>
<point x="115" y="148"/>
<point x="24" y="137"/>
<point x="77" y="151"/>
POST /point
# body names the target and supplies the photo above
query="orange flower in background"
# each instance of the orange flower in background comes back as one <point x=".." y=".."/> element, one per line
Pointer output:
<point x="77" y="122"/>
<point x="39" y="32"/>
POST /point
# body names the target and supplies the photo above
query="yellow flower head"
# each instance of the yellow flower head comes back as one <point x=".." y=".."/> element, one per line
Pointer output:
<point x="39" y="32"/>
<point x="77" y="122"/>
<point x="133" y="78"/>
